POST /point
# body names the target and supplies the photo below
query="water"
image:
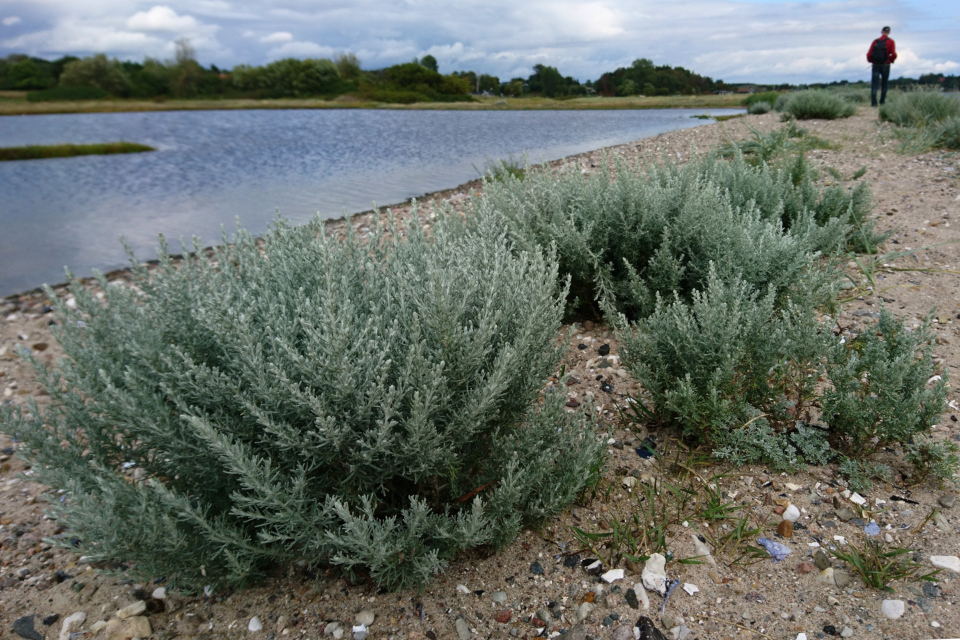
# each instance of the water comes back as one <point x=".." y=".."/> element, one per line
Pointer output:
<point x="212" y="168"/>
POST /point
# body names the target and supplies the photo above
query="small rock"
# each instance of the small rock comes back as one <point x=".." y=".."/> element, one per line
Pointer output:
<point x="499" y="597"/>
<point x="826" y="577"/>
<point x="941" y="522"/>
<point x="930" y="590"/>
<point x="947" y="500"/>
<point x="631" y="597"/>
<point x="612" y="576"/>
<point x="330" y="628"/>
<point x="845" y="514"/>
<point x="462" y="589"/>
<point x="360" y="632"/>
<point x="131" y="610"/>
<point x="703" y="549"/>
<point x="841" y="578"/>
<point x="604" y="350"/>
<point x="785" y="528"/>
<point x="365" y="617"/>
<point x="892" y="609"/>
<point x="72" y="623"/>
<point x="846" y="632"/>
<point x="463" y="629"/>
<point x="833" y="602"/>
<point x="806" y="567"/>
<point x="642" y="595"/>
<point x="623" y="632"/>
<point x="681" y="632"/>
<point x="504" y="616"/>
<point x="654" y="575"/>
<point x="584" y="611"/>
<point x="135" y="627"/>
<point x="690" y="588"/>
<point x="535" y="568"/>
<point x="254" y="624"/>
<point x="821" y="559"/>
<point x="950" y="563"/>
<point x="792" y="513"/>
<point x="160" y="593"/>
<point x="23" y="627"/>
<point x="629" y="481"/>
<point x="578" y="632"/>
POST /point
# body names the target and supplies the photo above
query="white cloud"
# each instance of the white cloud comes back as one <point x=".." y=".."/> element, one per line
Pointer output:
<point x="161" y="18"/>
<point x="279" y="36"/>
<point x="12" y="20"/>
<point x="300" y="50"/>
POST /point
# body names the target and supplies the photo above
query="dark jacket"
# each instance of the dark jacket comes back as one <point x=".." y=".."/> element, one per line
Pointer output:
<point x="891" y="50"/>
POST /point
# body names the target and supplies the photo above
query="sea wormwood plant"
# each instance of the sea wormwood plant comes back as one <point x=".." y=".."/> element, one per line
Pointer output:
<point x="626" y="234"/>
<point x="816" y="104"/>
<point x="372" y="405"/>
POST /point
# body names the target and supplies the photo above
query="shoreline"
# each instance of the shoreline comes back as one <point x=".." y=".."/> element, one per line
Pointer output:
<point x="20" y="107"/>
<point x="366" y="216"/>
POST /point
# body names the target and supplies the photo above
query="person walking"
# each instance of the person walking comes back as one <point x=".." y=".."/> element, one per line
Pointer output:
<point x="882" y="53"/>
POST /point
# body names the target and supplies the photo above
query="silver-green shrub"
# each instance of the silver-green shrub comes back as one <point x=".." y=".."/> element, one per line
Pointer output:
<point x="817" y="105"/>
<point x="625" y="234"/>
<point x="374" y="405"/>
<point x="879" y="393"/>
<point x="759" y="108"/>
<point x="919" y="108"/>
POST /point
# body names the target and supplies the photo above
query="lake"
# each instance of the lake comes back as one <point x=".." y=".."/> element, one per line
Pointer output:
<point x="212" y="168"/>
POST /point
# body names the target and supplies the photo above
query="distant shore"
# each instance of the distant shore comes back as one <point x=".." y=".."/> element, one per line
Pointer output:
<point x="14" y="103"/>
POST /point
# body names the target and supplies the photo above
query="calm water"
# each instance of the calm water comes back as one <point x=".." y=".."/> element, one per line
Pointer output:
<point x="214" y="167"/>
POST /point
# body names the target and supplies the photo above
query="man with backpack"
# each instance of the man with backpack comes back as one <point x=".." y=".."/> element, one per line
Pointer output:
<point x="881" y="55"/>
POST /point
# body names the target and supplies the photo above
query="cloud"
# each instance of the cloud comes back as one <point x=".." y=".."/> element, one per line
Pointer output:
<point x="12" y="20"/>
<point x="279" y="36"/>
<point x="161" y="18"/>
<point x="300" y="50"/>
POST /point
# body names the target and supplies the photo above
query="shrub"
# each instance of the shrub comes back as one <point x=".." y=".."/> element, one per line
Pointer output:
<point x="781" y="102"/>
<point x="820" y="105"/>
<point x="67" y="93"/>
<point x="948" y="133"/>
<point x="879" y="394"/>
<point x="854" y="96"/>
<point x="371" y="405"/>
<point x="766" y="96"/>
<point x="919" y="108"/>
<point x="758" y="108"/>
<point x="625" y="235"/>
<point x="98" y="72"/>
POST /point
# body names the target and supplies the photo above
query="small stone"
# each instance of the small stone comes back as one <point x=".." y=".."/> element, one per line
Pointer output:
<point x="504" y="616"/>
<point x="629" y="481"/>
<point x="785" y="528"/>
<point x="842" y="578"/>
<point x="846" y="632"/>
<point x="131" y="610"/>
<point x="845" y="514"/>
<point x="690" y="588"/>
<point x="23" y="627"/>
<point x="833" y="602"/>
<point x="463" y="629"/>
<point x="792" y="513"/>
<point x="947" y="500"/>
<point x="365" y="617"/>
<point x="578" y="632"/>
<point x="360" y="632"/>
<point x="703" y="549"/>
<point x="72" y="623"/>
<point x="462" y="589"/>
<point x="499" y="596"/>
<point x="612" y="576"/>
<point x="826" y="577"/>
<point x="930" y="590"/>
<point x="330" y="627"/>
<point x="623" y="632"/>
<point x="254" y="624"/>
<point x="892" y="609"/>
<point x="950" y="563"/>
<point x="821" y="559"/>
<point x="829" y="629"/>
<point x="584" y="610"/>
<point x="535" y="568"/>
<point x="135" y="627"/>
<point x="160" y="593"/>
<point x="667" y="621"/>
<point x="632" y="601"/>
<point x="604" y="350"/>
<point x="806" y="567"/>
<point x="654" y="574"/>
<point x="98" y="626"/>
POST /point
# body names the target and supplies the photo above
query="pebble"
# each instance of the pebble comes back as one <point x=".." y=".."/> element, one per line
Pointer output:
<point x="329" y="629"/>
<point x="160" y="593"/>
<point x="463" y="629"/>
<point x="703" y="549"/>
<point x="623" y="633"/>
<point x="464" y="590"/>
<point x="23" y="627"/>
<point x="845" y="514"/>
<point x="892" y="609"/>
<point x="131" y="610"/>
<point x="821" y="559"/>
<point x="255" y="624"/>
<point x="947" y="500"/>
<point x="950" y="563"/>
<point x="846" y="632"/>
<point x="499" y="596"/>
<point x="654" y="574"/>
<point x="366" y="617"/>
<point x="584" y="610"/>
<point x="792" y="513"/>
<point x="785" y="528"/>
<point x="612" y="576"/>
<point x="71" y="623"/>
<point x="535" y="568"/>
<point x="841" y="578"/>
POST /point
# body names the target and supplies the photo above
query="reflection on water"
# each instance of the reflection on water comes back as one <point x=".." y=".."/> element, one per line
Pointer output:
<point x="214" y="167"/>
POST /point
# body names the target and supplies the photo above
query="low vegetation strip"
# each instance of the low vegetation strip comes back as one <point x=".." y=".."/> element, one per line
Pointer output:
<point x="39" y="152"/>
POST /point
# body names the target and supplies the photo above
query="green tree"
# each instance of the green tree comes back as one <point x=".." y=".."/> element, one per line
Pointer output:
<point x="96" y="71"/>
<point x="348" y="66"/>
<point x="429" y="62"/>
<point x="546" y="81"/>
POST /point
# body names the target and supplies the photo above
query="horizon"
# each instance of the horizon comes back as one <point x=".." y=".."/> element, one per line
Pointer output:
<point x="737" y="41"/>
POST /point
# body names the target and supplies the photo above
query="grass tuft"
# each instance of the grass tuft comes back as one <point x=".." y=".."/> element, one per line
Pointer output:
<point x="39" y="152"/>
<point x="816" y="105"/>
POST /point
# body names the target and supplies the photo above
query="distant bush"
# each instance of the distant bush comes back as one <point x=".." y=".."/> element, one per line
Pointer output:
<point x="758" y="108"/>
<point x="97" y="72"/>
<point x="919" y="108"/>
<point x="819" y="105"/>
<point x="67" y="93"/>
<point x="854" y="96"/>
<point x="369" y="405"/>
<point x="288" y="78"/>
<point x="766" y="96"/>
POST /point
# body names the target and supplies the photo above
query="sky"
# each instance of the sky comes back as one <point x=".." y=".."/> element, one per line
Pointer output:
<point x="763" y="41"/>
